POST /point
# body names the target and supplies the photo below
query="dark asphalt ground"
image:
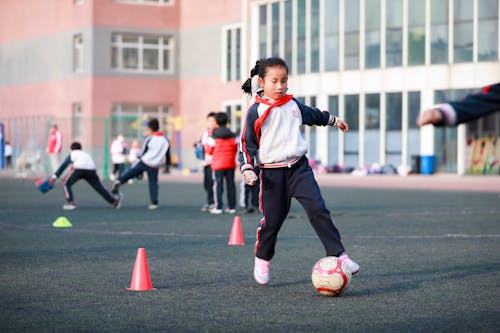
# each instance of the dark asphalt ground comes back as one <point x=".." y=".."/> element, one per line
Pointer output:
<point x="430" y="262"/>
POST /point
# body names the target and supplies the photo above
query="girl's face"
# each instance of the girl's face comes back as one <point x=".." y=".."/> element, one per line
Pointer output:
<point x="275" y="82"/>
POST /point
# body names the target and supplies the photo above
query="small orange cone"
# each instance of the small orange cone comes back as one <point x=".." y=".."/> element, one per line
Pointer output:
<point x="141" y="280"/>
<point x="236" y="237"/>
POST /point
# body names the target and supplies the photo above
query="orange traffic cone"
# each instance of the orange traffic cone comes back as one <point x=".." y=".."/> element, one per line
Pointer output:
<point x="236" y="237"/>
<point x="141" y="280"/>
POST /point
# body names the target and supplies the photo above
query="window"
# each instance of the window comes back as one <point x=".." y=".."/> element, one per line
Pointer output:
<point x="78" y="53"/>
<point x="416" y="32"/>
<point x="394" y="33"/>
<point x="333" y="133"/>
<point x="372" y="34"/>
<point x="439" y="32"/>
<point x="142" y="53"/>
<point x="487" y="43"/>
<point x="351" y="37"/>
<point x="462" y="26"/>
<point x="262" y="31"/>
<point x="301" y="36"/>
<point x="275" y="42"/>
<point x="394" y="115"/>
<point x="331" y="19"/>
<point x="288" y="32"/>
<point x="77" y="120"/>
<point x="315" y="36"/>
<point x="413" y="143"/>
<point x="233" y="53"/>
<point x="351" y="138"/>
<point x="372" y="128"/>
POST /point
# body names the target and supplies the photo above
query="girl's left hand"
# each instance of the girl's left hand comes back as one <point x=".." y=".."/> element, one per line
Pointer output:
<point x="342" y="125"/>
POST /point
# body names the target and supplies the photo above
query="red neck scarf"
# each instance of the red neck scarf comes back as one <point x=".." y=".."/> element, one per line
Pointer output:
<point x="280" y="101"/>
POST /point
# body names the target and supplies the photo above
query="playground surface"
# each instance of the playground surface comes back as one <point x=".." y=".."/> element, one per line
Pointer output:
<point x="429" y="257"/>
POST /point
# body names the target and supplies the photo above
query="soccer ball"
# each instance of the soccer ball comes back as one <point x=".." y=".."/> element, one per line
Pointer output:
<point x="330" y="276"/>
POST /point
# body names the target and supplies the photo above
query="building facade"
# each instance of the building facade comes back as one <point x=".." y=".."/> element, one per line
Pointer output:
<point x="98" y="68"/>
<point x="377" y="63"/>
<point x="103" y="67"/>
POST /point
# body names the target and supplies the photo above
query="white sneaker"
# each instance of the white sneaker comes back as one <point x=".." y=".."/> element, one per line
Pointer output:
<point x="351" y="264"/>
<point x="69" y="206"/>
<point x="153" y="207"/>
<point x="261" y="271"/>
<point x="230" y="211"/>
<point x="205" y="208"/>
<point x="118" y="200"/>
<point x="214" y="210"/>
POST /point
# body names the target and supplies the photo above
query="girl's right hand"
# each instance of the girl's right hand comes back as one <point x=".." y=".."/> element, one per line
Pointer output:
<point x="250" y="177"/>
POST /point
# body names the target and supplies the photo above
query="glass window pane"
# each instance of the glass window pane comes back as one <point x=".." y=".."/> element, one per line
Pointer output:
<point x="166" y="60"/>
<point x="275" y="35"/>
<point x="487" y="30"/>
<point x="130" y="38"/>
<point x="394" y="33"/>
<point x="416" y="32"/>
<point x="393" y="142"/>
<point x="351" y="138"/>
<point x="413" y="131"/>
<point x="151" y="40"/>
<point x="462" y="43"/>
<point x="439" y="32"/>
<point x="372" y="34"/>
<point x="372" y="128"/>
<point x="301" y="36"/>
<point x="331" y="19"/>
<point x="262" y="30"/>
<point x="351" y="47"/>
<point x="333" y="134"/>
<point x="237" y="74"/>
<point x="228" y="55"/>
<point x="288" y="33"/>
<point x="130" y="58"/>
<point x="150" y="59"/>
<point x="314" y="36"/>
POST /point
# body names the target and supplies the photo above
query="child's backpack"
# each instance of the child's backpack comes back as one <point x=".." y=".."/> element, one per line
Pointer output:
<point x="199" y="151"/>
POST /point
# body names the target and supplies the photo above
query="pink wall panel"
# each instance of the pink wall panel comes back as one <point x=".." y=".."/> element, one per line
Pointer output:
<point x="49" y="98"/>
<point x="109" y="13"/>
<point x="196" y="13"/>
<point x="29" y="18"/>
<point x="107" y="90"/>
<point x="23" y="19"/>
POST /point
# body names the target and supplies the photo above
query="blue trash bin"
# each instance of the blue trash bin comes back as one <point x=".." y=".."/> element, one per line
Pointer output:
<point x="427" y="164"/>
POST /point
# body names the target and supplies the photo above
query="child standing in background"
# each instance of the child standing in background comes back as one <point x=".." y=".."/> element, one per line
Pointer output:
<point x="118" y="150"/>
<point x="208" y="183"/>
<point x="223" y="147"/>
<point x="272" y="139"/>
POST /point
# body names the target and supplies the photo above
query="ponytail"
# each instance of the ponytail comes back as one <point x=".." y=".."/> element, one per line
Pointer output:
<point x="247" y="85"/>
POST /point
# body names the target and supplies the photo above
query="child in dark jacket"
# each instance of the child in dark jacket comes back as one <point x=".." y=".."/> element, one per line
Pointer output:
<point x="223" y="147"/>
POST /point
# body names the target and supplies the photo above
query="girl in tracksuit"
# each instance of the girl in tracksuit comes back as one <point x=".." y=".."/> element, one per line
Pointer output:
<point x="150" y="160"/>
<point x="272" y="139"/>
